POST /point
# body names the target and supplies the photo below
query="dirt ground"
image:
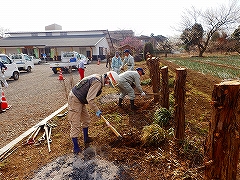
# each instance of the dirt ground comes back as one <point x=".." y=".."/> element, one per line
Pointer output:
<point x="126" y="158"/>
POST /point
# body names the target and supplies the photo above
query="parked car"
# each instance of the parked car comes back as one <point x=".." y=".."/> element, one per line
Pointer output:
<point x="69" y="61"/>
<point x="12" y="71"/>
<point x="23" y="62"/>
<point x="35" y="60"/>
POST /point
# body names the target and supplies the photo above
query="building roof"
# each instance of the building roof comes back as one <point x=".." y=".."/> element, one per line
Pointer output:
<point x="52" y="41"/>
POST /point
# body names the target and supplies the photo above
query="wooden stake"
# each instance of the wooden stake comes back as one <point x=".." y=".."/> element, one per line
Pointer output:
<point x="222" y="143"/>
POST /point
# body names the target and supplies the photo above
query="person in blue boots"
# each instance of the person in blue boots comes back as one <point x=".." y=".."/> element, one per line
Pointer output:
<point x="84" y="92"/>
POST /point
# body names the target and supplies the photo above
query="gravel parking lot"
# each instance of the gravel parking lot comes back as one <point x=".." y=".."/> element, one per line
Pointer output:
<point x="35" y="96"/>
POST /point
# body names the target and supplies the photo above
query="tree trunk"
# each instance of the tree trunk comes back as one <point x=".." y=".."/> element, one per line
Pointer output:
<point x="222" y="143"/>
<point x="153" y="65"/>
<point x="179" y="95"/>
<point x="165" y="88"/>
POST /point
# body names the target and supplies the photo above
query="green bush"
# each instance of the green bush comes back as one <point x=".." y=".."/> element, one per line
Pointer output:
<point x="162" y="117"/>
<point x="171" y="100"/>
<point x="146" y="82"/>
<point x="153" y="135"/>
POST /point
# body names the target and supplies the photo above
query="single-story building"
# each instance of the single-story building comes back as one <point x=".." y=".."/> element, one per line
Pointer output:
<point x="52" y="43"/>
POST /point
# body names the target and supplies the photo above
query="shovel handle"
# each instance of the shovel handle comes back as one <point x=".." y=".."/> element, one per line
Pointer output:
<point x="48" y="143"/>
<point x="149" y="94"/>
<point x="111" y="127"/>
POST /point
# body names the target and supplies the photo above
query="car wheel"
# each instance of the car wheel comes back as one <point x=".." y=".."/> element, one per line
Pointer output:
<point x="15" y="75"/>
<point x="29" y="69"/>
<point x="54" y="70"/>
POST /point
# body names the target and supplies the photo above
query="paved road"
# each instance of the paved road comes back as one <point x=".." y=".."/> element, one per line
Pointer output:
<point x="35" y="96"/>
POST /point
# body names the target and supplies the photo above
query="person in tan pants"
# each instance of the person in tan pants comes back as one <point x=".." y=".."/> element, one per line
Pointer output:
<point x="84" y="92"/>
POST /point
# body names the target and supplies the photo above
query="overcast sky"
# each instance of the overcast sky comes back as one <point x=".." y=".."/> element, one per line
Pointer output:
<point x="143" y="17"/>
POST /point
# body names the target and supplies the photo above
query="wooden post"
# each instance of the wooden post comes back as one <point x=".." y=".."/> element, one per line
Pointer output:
<point x="153" y="65"/>
<point x="179" y="96"/>
<point x="222" y="143"/>
<point x="165" y="88"/>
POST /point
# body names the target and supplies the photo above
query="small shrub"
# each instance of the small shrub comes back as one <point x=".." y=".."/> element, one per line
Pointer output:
<point x="162" y="116"/>
<point x="171" y="100"/>
<point x="171" y="82"/>
<point x="146" y="82"/>
<point x="153" y="135"/>
<point x="192" y="151"/>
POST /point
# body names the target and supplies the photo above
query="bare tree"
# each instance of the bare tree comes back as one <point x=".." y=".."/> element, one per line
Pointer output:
<point x="211" y="20"/>
<point x="3" y="32"/>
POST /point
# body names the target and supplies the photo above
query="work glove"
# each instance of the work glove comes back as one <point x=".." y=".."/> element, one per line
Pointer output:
<point x="99" y="113"/>
<point x="143" y="94"/>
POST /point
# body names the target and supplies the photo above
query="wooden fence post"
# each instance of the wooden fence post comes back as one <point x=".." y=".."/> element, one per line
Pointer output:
<point x="165" y="88"/>
<point x="153" y="65"/>
<point x="179" y="96"/>
<point x="222" y="143"/>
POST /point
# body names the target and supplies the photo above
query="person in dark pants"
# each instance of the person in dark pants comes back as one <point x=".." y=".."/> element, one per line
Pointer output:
<point x="125" y="85"/>
<point x="108" y="62"/>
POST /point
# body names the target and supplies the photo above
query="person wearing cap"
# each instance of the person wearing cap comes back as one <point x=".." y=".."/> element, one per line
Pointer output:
<point x="84" y="92"/>
<point x="116" y="63"/>
<point x="128" y="60"/>
<point x="125" y="82"/>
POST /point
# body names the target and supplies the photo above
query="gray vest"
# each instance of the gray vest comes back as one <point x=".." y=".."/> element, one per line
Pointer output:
<point x="80" y="90"/>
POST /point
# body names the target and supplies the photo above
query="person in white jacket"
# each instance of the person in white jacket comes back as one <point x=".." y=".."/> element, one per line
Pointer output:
<point x="128" y="60"/>
<point x="125" y="85"/>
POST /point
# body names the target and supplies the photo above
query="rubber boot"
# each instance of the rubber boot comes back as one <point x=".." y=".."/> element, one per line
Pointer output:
<point x="133" y="107"/>
<point x="120" y="102"/>
<point x="76" y="148"/>
<point x="86" y="138"/>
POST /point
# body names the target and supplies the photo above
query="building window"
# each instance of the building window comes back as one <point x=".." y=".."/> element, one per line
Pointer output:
<point x="48" y="33"/>
<point x="34" y="34"/>
<point x="100" y="50"/>
<point x="63" y="33"/>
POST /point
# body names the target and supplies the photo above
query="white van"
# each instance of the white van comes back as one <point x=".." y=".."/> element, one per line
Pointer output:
<point x="12" y="69"/>
<point x="23" y="61"/>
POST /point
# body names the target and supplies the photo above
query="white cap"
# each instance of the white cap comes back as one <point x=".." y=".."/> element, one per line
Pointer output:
<point x="113" y="76"/>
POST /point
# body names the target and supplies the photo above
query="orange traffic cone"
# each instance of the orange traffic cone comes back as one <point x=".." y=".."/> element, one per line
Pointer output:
<point x="60" y="75"/>
<point x="4" y="104"/>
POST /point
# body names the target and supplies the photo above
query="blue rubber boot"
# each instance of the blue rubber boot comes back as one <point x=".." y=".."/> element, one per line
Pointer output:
<point x="76" y="148"/>
<point x="86" y="138"/>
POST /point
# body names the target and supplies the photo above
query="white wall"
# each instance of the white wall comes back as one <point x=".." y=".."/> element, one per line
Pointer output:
<point x="102" y="43"/>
